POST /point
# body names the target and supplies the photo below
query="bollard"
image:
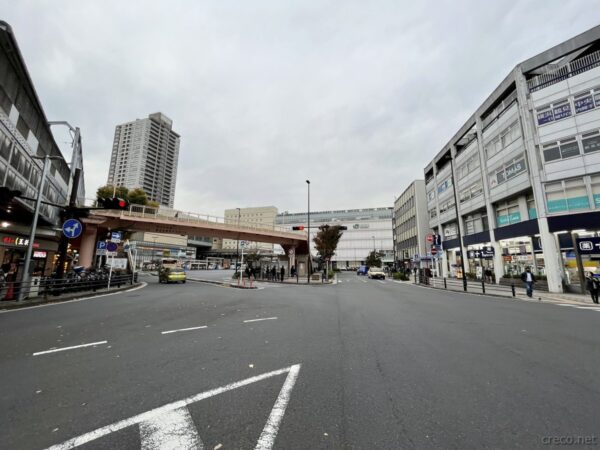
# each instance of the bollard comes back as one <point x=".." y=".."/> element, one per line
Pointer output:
<point x="445" y="285"/>
<point x="483" y="286"/>
<point x="512" y="287"/>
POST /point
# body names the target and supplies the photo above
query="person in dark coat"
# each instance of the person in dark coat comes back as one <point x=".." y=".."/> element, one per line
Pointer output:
<point x="273" y="273"/>
<point x="529" y="279"/>
<point x="592" y="284"/>
<point x="282" y="271"/>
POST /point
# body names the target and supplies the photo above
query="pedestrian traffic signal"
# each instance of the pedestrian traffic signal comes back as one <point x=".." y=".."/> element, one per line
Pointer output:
<point x="300" y="228"/>
<point x="113" y="203"/>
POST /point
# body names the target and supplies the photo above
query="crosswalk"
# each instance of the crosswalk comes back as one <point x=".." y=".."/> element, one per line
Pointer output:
<point x="589" y="308"/>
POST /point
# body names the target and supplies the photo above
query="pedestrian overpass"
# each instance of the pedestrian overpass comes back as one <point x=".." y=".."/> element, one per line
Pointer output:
<point x="150" y="219"/>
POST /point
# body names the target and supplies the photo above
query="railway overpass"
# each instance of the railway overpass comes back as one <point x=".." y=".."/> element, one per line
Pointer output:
<point x="145" y="218"/>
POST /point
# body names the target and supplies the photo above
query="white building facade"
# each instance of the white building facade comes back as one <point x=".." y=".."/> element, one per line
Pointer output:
<point x="145" y="155"/>
<point x="411" y="226"/>
<point x="368" y="229"/>
<point x="259" y="217"/>
<point x="525" y="172"/>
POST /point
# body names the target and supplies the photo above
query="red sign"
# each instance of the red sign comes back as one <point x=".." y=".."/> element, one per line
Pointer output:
<point x="21" y="242"/>
<point x="433" y="251"/>
<point x="429" y="238"/>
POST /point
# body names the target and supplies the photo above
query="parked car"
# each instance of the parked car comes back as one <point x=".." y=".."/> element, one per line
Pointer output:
<point x="376" y="272"/>
<point x="362" y="270"/>
<point x="171" y="274"/>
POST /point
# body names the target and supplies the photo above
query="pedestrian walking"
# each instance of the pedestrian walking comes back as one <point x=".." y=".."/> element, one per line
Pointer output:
<point x="282" y="271"/>
<point x="273" y="273"/>
<point x="593" y="285"/>
<point x="529" y="279"/>
<point x="293" y="271"/>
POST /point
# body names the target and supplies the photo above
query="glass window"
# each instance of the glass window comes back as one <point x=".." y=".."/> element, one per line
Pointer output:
<point x="583" y="102"/>
<point x="591" y="142"/>
<point x="551" y="152"/>
<point x="544" y="115"/>
<point x="2" y="173"/>
<point x="597" y="98"/>
<point x="576" y="194"/>
<point x="569" y="148"/>
<point x="5" y="144"/>
<point x="555" y="198"/>
<point x="596" y="190"/>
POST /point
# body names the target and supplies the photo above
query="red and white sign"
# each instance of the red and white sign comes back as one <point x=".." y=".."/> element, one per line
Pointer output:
<point x="434" y="251"/>
<point x="429" y="238"/>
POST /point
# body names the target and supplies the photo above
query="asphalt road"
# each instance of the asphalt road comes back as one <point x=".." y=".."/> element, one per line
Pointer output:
<point x="364" y="364"/>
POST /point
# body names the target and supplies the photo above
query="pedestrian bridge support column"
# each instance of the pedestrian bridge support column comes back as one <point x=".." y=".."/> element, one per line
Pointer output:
<point x="88" y="241"/>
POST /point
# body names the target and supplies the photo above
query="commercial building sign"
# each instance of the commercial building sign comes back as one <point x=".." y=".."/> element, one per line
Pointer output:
<point x="584" y="104"/>
<point x="562" y="111"/>
<point x="18" y="241"/>
<point x="545" y="117"/>
<point x="484" y="253"/>
<point x="588" y="246"/>
<point x="515" y="168"/>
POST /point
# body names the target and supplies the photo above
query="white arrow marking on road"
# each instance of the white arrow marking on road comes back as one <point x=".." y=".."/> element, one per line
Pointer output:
<point x="258" y="320"/>
<point x="172" y="430"/>
<point x="54" y="350"/>
<point x="270" y="430"/>
<point x="183" y="329"/>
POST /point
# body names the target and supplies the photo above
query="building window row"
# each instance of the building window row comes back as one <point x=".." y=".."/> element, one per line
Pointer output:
<point x="506" y="137"/>
<point x="473" y="191"/>
<point x="573" y="194"/>
<point x="563" y="108"/>
<point x="447" y="206"/>
<point x="468" y="167"/>
<point x="476" y="223"/>
<point x="444" y="185"/>
<point x="572" y="146"/>
<point x="508" y="213"/>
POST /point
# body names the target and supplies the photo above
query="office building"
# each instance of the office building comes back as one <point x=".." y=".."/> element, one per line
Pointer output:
<point x="145" y="155"/>
<point x="411" y="226"/>
<point x="259" y="217"/>
<point x="367" y="230"/>
<point x="25" y="137"/>
<point x="525" y="170"/>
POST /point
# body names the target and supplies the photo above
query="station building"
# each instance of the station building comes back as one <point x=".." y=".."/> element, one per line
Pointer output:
<point x="523" y="172"/>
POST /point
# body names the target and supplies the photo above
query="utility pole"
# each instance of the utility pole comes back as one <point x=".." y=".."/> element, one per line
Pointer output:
<point x="308" y="264"/>
<point x="460" y="239"/>
<point x="237" y="251"/>
<point x="38" y="202"/>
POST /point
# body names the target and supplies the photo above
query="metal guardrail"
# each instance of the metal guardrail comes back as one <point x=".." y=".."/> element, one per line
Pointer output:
<point x="51" y="287"/>
<point x="474" y="286"/>
<point x="191" y="218"/>
<point x="570" y="69"/>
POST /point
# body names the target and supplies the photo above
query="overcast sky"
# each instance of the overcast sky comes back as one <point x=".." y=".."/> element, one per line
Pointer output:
<point x="357" y="96"/>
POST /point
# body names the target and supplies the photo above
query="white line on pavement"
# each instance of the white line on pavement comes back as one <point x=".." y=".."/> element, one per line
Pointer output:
<point x="143" y="285"/>
<point x="382" y="282"/>
<point x="152" y="414"/>
<point x="182" y="329"/>
<point x="258" y="320"/>
<point x="173" y="429"/>
<point x="54" y="350"/>
<point x="269" y="433"/>
<point x="364" y="281"/>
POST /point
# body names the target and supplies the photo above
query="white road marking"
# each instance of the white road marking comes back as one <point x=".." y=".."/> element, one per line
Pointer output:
<point x="54" y="350"/>
<point x="43" y="305"/>
<point x="364" y="281"/>
<point x="269" y="433"/>
<point x="258" y="320"/>
<point x="382" y="282"/>
<point x="160" y="411"/>
<point x="172" y="430"/>
<point x="182" y="329"/>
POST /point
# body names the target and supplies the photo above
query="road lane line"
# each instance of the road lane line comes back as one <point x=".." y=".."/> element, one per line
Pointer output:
<point x="173" y="429"/>
<point x="364" y="281"/>
<point x="382" y="282"/>
<point x="182" y="329"/>
<point x="62" y="349"/>
<point x="269" y="433"/>
<point x="149" y="415"/>
<point x="258" y="320"/>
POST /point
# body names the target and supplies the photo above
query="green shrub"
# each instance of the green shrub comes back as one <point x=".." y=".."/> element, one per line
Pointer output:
<point x="400" y="276"/>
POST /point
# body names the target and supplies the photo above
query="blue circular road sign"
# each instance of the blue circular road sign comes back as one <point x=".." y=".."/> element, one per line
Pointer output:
<point x="111" y="246"/>
<point x="72" y="228"/>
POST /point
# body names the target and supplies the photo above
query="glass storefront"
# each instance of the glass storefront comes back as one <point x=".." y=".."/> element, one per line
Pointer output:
<point x="518" y="254"/>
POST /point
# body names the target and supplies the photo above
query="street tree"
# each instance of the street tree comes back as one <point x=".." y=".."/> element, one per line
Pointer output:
<point x="109" y="191"/>
<point x="374" y="259"/>
<point x="137" y="196"/>
<point x="326" y="242"/>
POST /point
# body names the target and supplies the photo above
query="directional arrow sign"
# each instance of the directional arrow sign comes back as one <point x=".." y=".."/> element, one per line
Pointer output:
<point x="171" y="426"/>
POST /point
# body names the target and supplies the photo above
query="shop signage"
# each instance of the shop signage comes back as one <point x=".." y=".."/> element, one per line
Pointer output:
<point x="115" y="236"/>
<point x="39" y="254"/>
<point x="484" y="253"/>
<point x="584" y="104"/>
<point x="118" y="263"/>
<point x="507" y="258"/>
<point x="589" y="245"/>
<point x="19" y="242"/>
<point x="545" y="117"/>
<point x="513" y="170"/>
<point x="562" y="111"/>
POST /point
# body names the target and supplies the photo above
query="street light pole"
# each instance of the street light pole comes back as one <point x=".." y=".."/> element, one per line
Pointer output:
<point x="237" y="251"/>
<point x="38" y="202"/>
<point x="460" y="239"/>
<point x="308" y="264"/>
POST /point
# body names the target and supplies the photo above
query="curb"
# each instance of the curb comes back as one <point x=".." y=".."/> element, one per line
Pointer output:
<point x="221" y="283"/>
<point x="98" y="293"/>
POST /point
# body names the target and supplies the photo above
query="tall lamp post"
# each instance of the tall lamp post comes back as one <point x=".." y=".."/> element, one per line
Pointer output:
<point x="308" y="263"/>
<point x="38" y="202"/>
<point x="237" y="251"/>
<point x="460" y="239"/>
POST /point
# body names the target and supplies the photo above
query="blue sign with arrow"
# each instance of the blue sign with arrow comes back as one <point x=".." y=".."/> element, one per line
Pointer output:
<point x="72" y="228"/>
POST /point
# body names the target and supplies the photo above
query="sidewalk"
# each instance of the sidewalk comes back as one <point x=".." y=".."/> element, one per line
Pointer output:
<point x="12" y="304"/>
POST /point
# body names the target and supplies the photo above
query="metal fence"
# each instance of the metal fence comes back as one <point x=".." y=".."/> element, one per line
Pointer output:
<point x="43" y="288"/>
<point x="474" y="286"/>
<point x="554" y="75"/>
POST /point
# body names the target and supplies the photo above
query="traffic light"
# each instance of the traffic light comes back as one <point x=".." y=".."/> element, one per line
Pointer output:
<point x="113" y="203"/>
<point x="299" y="228"/>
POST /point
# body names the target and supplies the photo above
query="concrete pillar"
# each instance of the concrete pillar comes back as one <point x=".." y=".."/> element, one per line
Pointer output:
<point x="444" y="262"/>
<point x="88" y="245"/>
<point x="498" y="261"/>
<point x="552" y="257"/>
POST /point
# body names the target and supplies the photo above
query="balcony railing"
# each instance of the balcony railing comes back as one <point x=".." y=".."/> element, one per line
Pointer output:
<point x="559" y="74"/>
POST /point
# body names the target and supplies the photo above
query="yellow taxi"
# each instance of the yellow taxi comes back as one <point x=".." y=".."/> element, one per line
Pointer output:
<point x="171" y="275"/>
